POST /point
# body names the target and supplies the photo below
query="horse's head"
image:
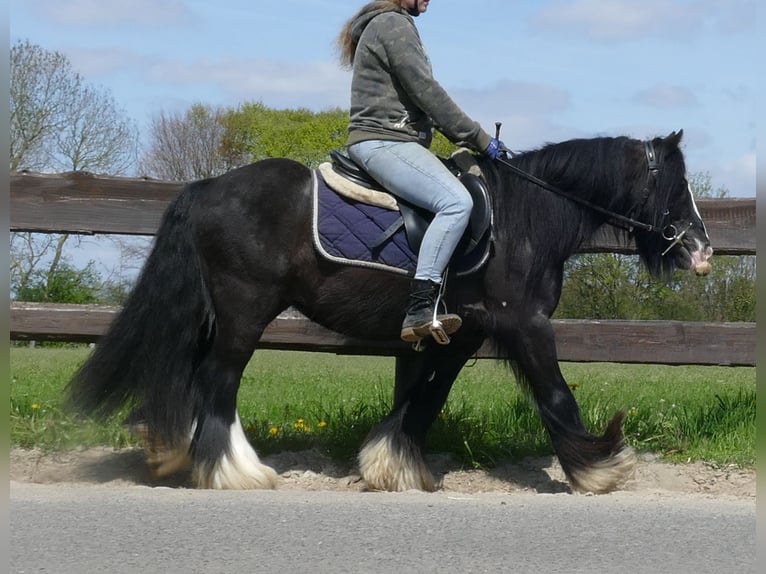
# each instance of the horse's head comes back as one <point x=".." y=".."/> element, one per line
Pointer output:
<point x="679" y="238"/>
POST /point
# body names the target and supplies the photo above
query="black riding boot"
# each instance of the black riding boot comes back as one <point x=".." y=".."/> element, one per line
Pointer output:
<point x="420" y="322"/>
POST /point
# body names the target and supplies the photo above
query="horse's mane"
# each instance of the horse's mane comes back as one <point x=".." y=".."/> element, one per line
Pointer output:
<point x="608" y="171"/>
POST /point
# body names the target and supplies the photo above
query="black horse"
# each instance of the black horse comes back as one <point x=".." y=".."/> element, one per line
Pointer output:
<point x="234" y="251"/>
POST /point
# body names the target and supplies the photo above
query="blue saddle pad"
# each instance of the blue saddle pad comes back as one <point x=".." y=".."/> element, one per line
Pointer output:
<point x="346" y="231"/>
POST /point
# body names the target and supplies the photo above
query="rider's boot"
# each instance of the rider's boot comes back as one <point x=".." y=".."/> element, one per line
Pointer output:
<point x="422" y="318"/>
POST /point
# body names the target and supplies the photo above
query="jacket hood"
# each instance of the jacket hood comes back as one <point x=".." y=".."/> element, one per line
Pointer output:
<point x="364" y="18"/>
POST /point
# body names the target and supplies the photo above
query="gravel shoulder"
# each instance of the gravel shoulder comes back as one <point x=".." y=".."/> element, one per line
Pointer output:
<point x="311" y="471"/>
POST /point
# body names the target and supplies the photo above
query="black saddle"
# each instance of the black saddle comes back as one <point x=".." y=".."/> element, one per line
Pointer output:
<point x="415" y="219"/>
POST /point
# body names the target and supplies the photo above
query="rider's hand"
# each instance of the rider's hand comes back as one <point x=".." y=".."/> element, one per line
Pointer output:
<point x="494" y="148"/>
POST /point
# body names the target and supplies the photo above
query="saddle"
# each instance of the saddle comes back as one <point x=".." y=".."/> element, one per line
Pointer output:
<point x="415" y="220"/>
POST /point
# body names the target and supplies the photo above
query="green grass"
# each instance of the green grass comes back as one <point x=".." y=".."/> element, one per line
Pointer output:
<point x="291" y="401"/>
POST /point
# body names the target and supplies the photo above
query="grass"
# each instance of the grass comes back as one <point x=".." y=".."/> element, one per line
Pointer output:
<point x="291" y="401"/>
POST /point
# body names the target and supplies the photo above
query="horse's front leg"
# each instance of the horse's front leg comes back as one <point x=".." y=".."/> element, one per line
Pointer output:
<point x="591" y="463"/>
<point x="392" y="457"/>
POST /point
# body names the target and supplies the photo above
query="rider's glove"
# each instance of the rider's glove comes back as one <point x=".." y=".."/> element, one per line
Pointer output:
<point x="494" y="148"/>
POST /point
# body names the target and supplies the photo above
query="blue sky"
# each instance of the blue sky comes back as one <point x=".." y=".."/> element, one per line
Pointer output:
<point x="549" y="70"/>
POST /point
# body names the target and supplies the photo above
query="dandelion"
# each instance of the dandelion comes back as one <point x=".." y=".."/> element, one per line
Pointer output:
<point x="273" y="431"/>
<point x="35" y="406"/>
<point x="322" y="424"/>
<point x="301" y="426"/>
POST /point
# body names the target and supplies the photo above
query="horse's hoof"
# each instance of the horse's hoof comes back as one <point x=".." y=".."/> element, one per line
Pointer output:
<point x="386" y="467"/>
<point x="606" y="476"/>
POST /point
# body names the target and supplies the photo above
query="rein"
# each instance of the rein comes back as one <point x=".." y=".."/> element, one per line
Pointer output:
<point x="616" y="219"/>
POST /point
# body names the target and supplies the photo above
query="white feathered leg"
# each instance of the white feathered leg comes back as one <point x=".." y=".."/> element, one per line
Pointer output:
<point x="394" y="463"/>
<point x="238" y="468"/>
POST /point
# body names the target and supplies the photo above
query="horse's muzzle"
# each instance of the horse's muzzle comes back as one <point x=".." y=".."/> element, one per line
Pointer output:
<point x="700" y="260"/>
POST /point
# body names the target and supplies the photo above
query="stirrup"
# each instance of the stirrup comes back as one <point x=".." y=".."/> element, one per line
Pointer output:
<point x="438" y="333"/>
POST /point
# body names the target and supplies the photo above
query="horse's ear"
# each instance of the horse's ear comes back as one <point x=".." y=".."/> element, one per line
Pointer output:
<point x="674" y="138"/>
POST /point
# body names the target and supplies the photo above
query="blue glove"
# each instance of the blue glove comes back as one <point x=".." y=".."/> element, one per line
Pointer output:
<point x="494" y="148"/>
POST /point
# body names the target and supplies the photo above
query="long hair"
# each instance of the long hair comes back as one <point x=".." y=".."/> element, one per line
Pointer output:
<point x="346" y="43"/>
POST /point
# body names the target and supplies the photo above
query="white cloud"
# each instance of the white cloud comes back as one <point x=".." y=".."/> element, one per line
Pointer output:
<point x="276" y="83"/>
<point x="667" y="96"/>
<point x="626" y="20"/>
<point x="738" y="175"/>
<point x="609" y="20"/>
<point x="506" y="95"/>
<point x="98" y="62"/>
<point x="158" y="13"/>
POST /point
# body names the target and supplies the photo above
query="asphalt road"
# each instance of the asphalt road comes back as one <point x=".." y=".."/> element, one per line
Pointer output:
<point x="112" y="530"/>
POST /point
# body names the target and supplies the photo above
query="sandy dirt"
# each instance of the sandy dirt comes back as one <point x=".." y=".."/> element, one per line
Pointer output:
<point x="311" y="471"/>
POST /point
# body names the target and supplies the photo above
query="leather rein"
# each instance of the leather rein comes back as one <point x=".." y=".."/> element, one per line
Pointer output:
<point x="617" y="219"/>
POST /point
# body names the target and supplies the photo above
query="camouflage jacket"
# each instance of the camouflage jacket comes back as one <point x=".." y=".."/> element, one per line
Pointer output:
<point x="394" y="95"/>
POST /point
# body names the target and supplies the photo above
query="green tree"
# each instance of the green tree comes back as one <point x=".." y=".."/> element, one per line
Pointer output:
<point x="64" y="285"/>
<point x="256" y="132"/>
<point x="614" y="286"/>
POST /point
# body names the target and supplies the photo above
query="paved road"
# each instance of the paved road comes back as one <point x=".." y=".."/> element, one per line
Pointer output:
<point x="113" y="530"/>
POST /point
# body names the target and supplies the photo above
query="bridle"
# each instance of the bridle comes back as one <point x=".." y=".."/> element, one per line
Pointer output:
<point x="668" y="232"/>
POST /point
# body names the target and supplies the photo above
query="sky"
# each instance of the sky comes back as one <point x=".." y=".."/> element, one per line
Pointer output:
<point x="548" y="70"/>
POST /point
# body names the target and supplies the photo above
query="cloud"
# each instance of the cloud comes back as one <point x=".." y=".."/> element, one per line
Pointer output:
<point x="667" y="96"/>
<point x="159" y="13"/>
<point x="626" y="20"/>
<point x="524" y="108"/>
<point x="738" y="175"/>
<point x="523" y="97"/>
<point x="276" y="83"/>
<point x="99" y="62"/>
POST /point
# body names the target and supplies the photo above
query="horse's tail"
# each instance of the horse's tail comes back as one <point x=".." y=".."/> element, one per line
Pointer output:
<point x="147" y="358"/>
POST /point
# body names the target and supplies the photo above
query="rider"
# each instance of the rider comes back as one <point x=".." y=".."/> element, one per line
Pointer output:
<point x="395" y="103"/>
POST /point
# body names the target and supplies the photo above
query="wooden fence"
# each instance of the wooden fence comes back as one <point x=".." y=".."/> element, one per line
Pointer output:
<point x="85" y="204"/>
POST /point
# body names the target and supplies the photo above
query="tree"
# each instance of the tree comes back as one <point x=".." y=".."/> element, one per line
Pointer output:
<point x="185" y="147"/>
<point x="65" y="284"/>
<point x="255" y="132"/>
<point x="613" y="286"/>
<point x="59" y="123"/>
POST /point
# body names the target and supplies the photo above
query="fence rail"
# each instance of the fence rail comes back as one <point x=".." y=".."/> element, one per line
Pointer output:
<point x="86" y="204"/>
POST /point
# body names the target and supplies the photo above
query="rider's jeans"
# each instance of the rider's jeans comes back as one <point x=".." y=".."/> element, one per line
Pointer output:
<point x="410" y="171"/>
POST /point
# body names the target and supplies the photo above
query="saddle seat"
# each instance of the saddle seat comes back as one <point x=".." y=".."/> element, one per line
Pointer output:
<point x="415" y="219"/>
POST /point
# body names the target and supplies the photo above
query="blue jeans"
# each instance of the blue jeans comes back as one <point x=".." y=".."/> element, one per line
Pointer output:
<point x="410" y="171"/>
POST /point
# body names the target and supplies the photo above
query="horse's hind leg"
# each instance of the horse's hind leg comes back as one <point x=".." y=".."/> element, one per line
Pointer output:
<point x="222" y="456"/>
<point x="392" y="457"/>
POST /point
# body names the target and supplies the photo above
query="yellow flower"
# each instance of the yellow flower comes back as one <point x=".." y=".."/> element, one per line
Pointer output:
<point x="322" y="424"/>
<point x="35" y="406"/>
<point x="273" y="431"/>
